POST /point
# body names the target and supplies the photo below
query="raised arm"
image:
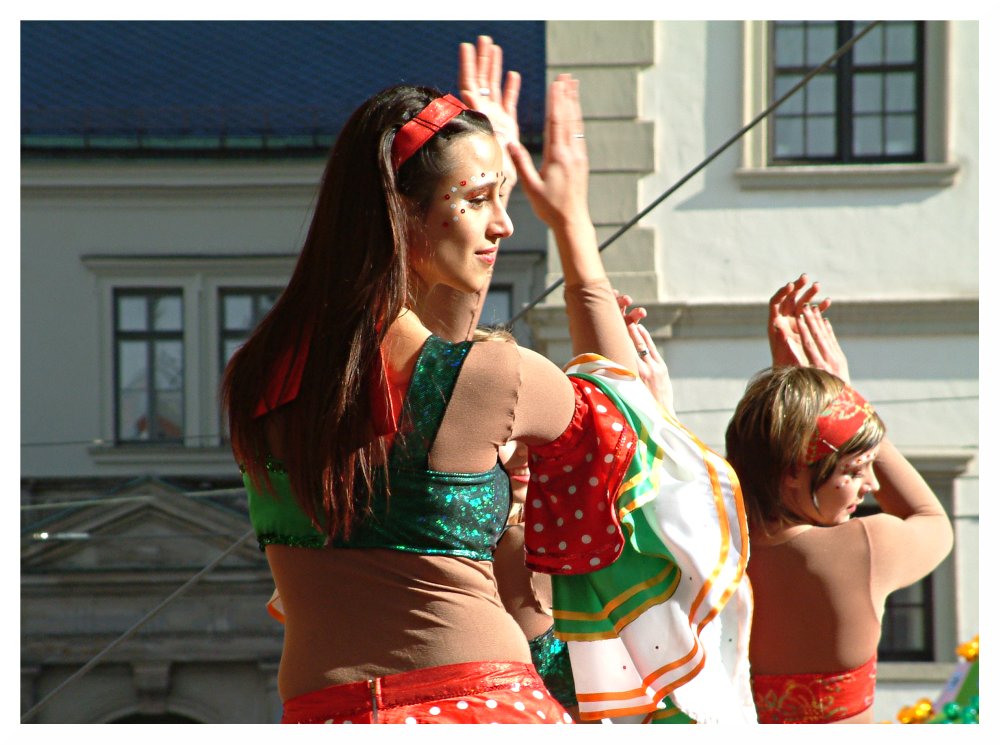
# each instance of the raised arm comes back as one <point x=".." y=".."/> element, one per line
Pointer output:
<point x="914" y="534"/>
<point x="558" y="195"/>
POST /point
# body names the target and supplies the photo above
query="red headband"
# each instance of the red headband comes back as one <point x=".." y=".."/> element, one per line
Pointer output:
<point x="838" y="423"/>
<point x="412" y="135"/>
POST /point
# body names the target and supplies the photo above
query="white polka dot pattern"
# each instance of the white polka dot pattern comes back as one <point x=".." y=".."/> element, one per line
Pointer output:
<point x="576" y="529"/>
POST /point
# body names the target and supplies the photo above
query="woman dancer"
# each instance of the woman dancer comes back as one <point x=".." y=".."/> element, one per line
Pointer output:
<point x="370" y="444"/>
<point x="808" y="448"/>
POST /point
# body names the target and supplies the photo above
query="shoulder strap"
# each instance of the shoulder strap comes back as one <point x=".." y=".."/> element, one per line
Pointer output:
<point x="433" y="381"/>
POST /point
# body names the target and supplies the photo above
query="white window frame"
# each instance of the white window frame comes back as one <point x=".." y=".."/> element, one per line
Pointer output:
<point x="199" y="278"/>
<point x="938" y="170"/>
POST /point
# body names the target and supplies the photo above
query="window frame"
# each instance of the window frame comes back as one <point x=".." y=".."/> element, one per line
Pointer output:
<point x="937" y="170"/>
<point x="149" y="337"/>
<point x="199" y="277"/>
<point x="843" y="73"/>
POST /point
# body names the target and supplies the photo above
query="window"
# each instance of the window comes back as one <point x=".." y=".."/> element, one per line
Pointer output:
<point x="868" y="108"/>
<point x="497" y="307"/>
<point x="878" y="119"/>
<point x="908" y="624"/>
<point x="149" y="365"/>
<point x="241" y="310"/>
<point x="908" y="620"/>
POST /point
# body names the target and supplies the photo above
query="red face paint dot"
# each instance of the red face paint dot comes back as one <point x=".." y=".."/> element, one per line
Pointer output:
<point x="444" y="225"/>
<point x="447" y="196"/>
<point x="462" y="183"/>
<point x="482" y="175"/>
<point x="463" y="212"/>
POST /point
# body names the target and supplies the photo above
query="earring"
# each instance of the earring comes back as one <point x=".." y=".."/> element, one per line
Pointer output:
<point x="815" y="501"/>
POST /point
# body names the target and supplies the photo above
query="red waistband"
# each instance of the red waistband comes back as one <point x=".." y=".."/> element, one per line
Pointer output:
<point x="814" y="698"/>
<point x="413" y="687"/>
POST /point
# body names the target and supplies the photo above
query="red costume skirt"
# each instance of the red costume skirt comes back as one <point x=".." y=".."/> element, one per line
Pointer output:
<point x="466" y="693"/>
<point x="814" y="698"/>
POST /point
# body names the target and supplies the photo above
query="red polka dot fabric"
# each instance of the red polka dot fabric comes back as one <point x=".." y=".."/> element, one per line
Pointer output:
<point x="468" y="693"/>
<point x="570" y="520"/>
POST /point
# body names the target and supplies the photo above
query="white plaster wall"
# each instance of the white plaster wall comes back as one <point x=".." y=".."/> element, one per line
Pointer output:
<point x="862" y="243"/>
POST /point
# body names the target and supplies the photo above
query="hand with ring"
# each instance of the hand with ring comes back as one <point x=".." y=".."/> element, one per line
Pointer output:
<point x="480" y="68"/>
<point x="651" y="367"/>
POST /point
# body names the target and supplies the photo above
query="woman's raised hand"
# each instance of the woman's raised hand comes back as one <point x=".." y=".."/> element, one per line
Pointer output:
<point x="480" y="69"/>
<point x="799" y="334"/>
<point x="650" y="365"/>
<point x="558" y="190"/>
<point x="786" y="306"/>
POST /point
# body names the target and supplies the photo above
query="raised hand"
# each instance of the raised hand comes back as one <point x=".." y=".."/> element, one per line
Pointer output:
<point x="480" y="69"/>
<point x="558" y="190"/>
<point x="821" y="347"/>
<point x="783" y="333"/>
<point x="650" y="365"/>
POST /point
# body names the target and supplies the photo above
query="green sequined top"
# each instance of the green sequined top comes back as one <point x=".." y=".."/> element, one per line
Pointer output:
<point x="430" y="512"/>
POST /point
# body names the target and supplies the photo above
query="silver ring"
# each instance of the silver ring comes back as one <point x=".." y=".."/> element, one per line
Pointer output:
<point x="484" y="91"/>
<point x="643" y="352"/>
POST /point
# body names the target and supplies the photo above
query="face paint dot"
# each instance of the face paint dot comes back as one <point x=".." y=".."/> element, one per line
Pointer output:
<point x="463" y="212"/>
<point x="454" y="188"/>
<point x="454" y="206"/>
<point x="455" y="218"/>
<point x="483" y="175"/>
<point x="447" y="196"/>
<point x="444" y="225"/>
<point x="461" y="183"/>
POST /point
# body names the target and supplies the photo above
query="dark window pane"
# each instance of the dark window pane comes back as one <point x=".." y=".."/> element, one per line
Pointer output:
<point x="867" y="135"/>
<point x="131" y="313"/>
<point x="169" y="365"/>
<point x="901" y="92"/>
<point x="869" y="50"/>
<point x="821" y="42"/>
<point x="900" y="135"/>
<point x="901" y="42"/>
<point x="497" y="308"/>
<point x="237" y="312"/>
<point x="132" y="374"/>
<point x="789" y="44"/>
<point x="170" y="415"/>
<point x="167" y="313"/>
<point x="132" y="415"/>
<point x="821" y="136"/>
<point x="867" y="93"/>
<point x="822" y="95"/>
<point x="789" y="141"/>
<point x="797" y="103"/>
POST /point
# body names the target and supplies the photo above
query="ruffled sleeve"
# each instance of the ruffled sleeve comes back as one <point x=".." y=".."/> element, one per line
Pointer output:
<point x="571" y="523"/>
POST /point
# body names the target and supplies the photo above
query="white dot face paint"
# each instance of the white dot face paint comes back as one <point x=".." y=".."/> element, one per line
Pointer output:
<point x="837" y="499"/>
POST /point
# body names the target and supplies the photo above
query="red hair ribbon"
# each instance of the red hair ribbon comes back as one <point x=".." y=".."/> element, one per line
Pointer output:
<point x="412" y="135"/>
<point x="286" y="380"/>
<point x="838" y="423"/>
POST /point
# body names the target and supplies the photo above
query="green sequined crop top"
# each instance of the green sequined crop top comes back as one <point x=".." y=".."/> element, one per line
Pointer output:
<point x="430" y="512"/>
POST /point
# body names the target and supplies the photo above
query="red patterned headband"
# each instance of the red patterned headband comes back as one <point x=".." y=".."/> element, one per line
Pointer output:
<point x="412" y="135"/>
<point x="838" y="423"/>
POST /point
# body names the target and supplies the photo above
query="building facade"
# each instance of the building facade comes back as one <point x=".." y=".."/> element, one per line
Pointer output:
<point x="141" y="271"/>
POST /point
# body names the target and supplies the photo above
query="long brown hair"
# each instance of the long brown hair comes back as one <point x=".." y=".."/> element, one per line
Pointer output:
<point x="350" y="283"/>
<point x="769" y="434"/>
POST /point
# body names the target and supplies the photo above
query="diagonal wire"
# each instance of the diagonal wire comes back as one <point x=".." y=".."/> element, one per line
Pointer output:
<point x="712" y="156"/>
<point x="135" y="627"/>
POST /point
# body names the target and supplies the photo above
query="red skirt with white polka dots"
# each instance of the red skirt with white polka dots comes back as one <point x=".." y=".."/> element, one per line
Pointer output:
<point x="466" y="693"/>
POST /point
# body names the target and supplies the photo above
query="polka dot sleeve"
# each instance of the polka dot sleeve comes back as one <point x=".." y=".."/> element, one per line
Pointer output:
<point x="571" y="521"/>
